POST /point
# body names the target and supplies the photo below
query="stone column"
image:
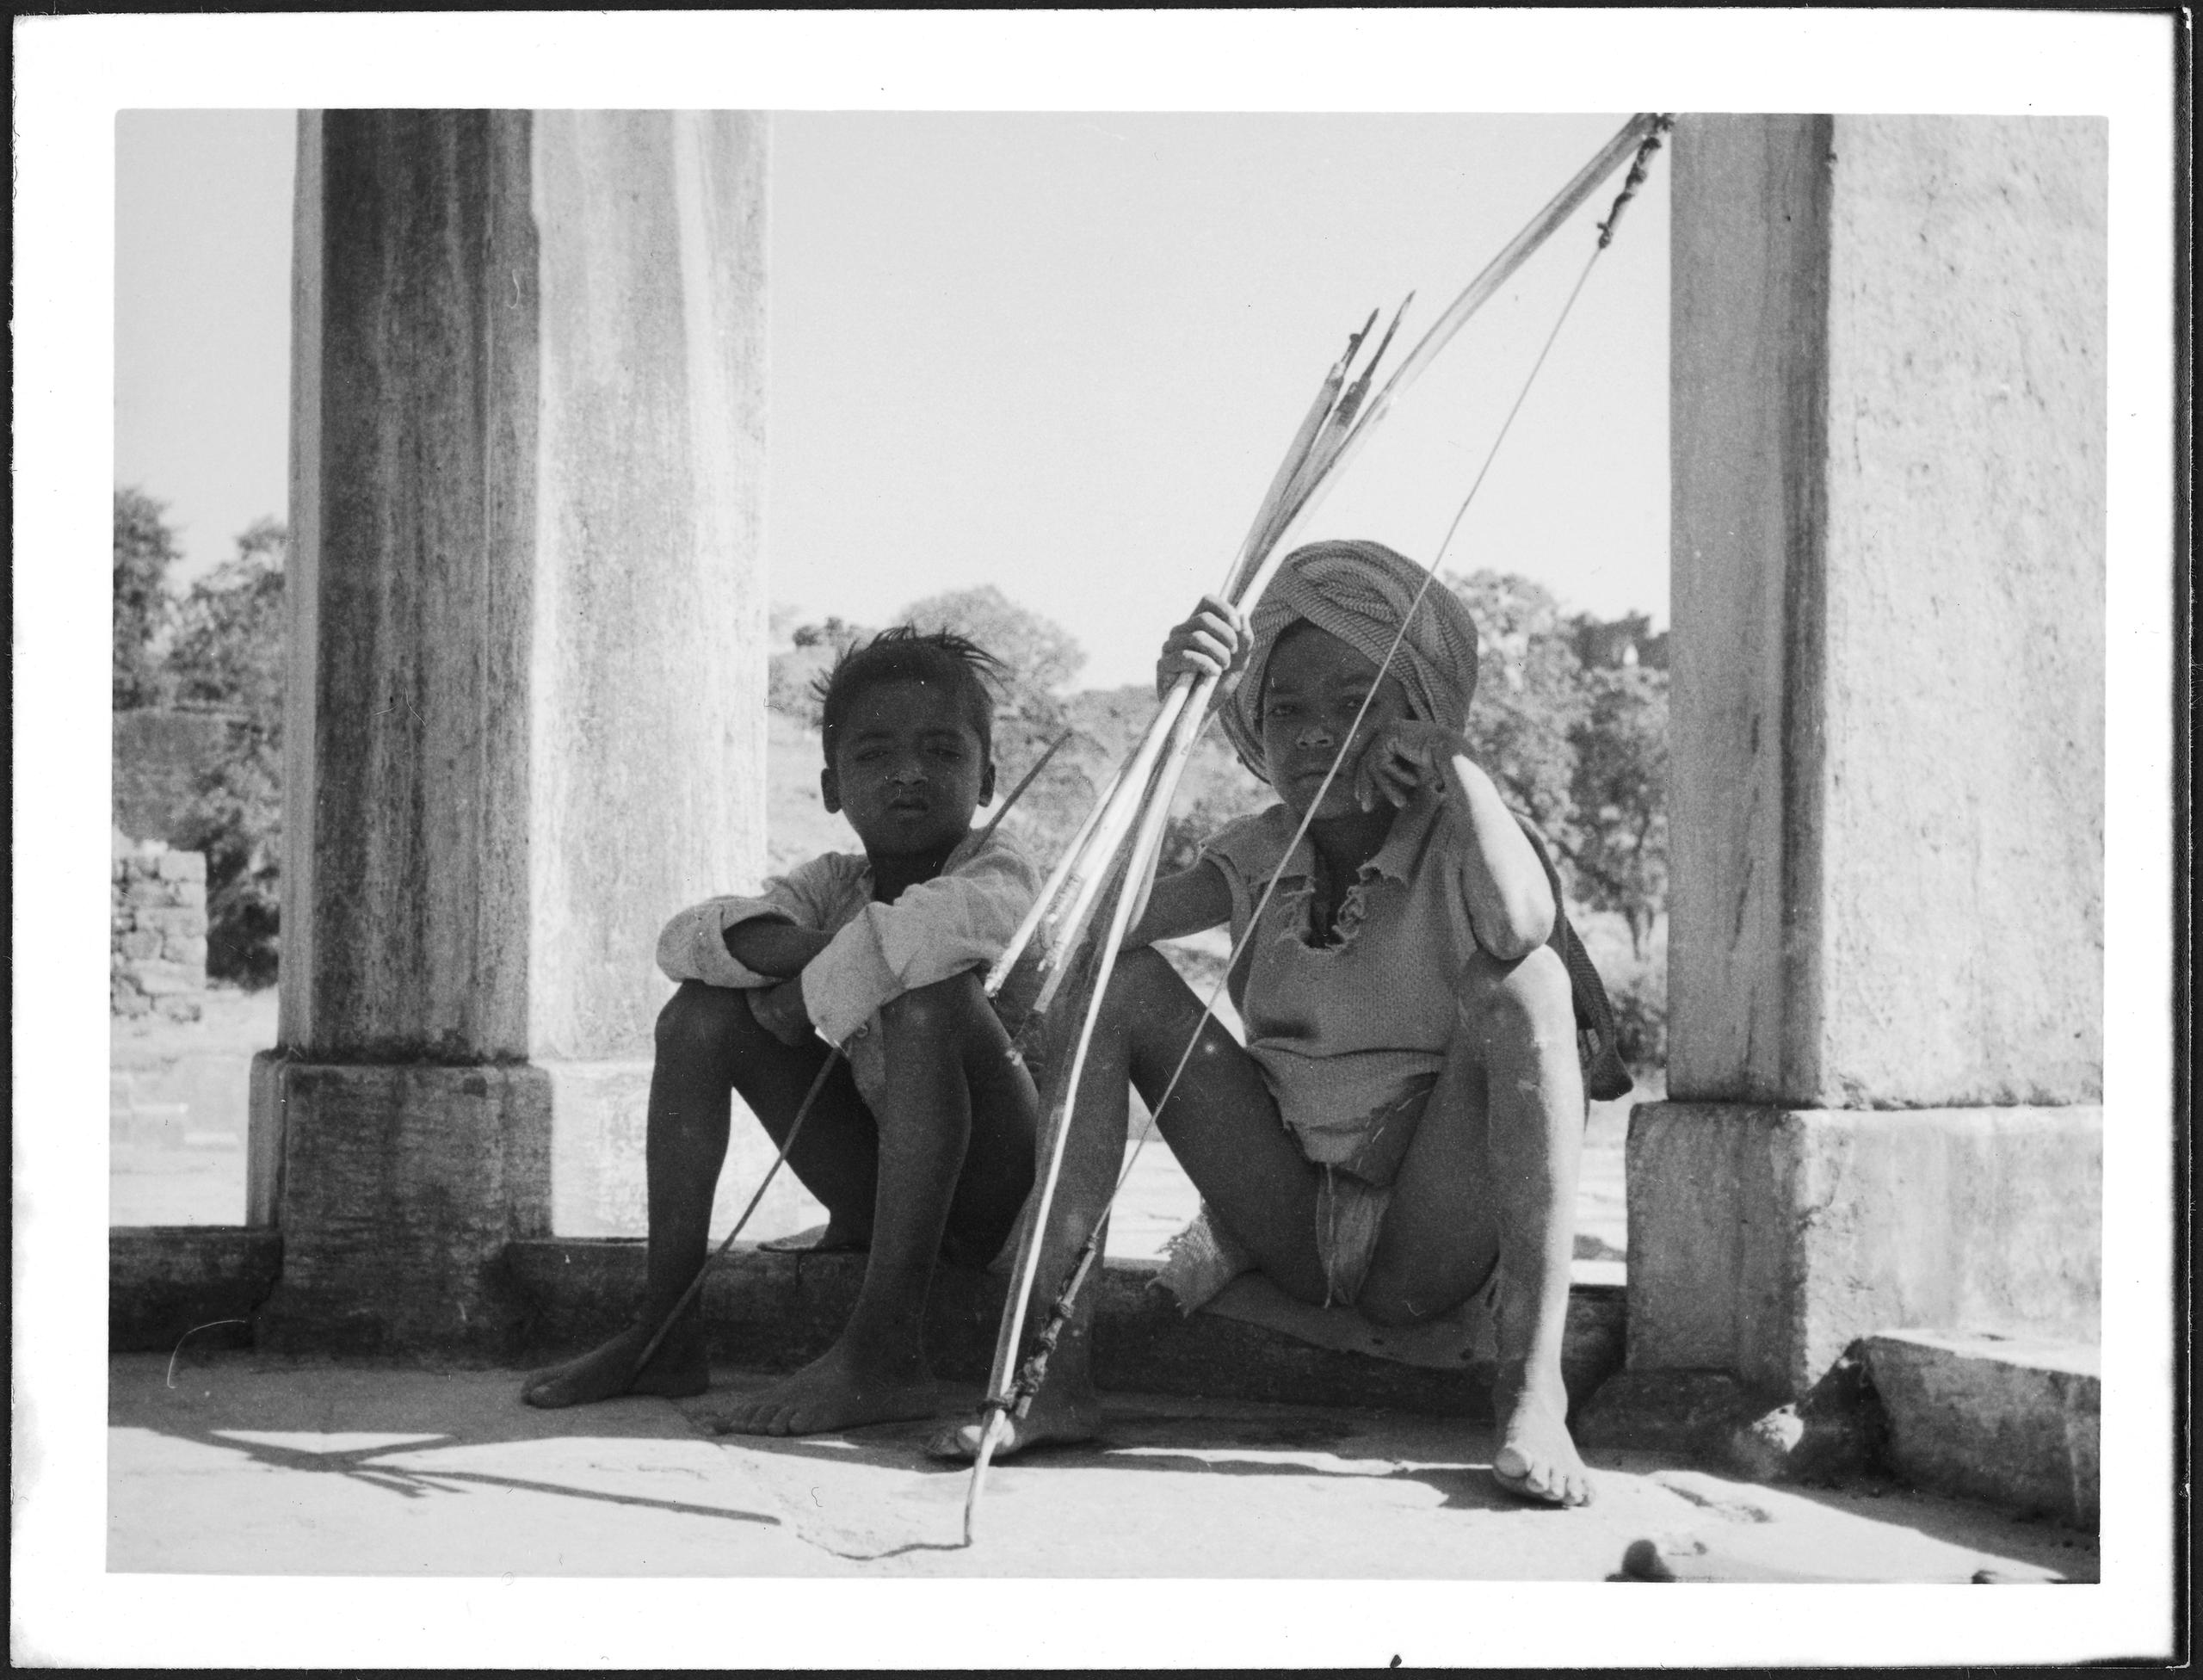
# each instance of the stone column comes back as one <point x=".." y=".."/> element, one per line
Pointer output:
<point x="1887" y="938"/>
<point x="527" y="671"/>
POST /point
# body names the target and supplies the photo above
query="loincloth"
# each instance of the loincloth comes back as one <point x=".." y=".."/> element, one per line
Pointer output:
<point x="1351" y="1199"/>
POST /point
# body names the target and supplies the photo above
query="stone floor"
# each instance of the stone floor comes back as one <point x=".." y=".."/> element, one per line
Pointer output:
<point x="240" y="1464"/>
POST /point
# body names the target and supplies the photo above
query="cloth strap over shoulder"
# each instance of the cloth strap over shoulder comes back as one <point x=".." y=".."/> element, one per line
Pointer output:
<point x="1605" y="1076"/>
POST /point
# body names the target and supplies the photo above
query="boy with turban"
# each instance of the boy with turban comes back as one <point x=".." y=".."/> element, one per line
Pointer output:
<point x="1401" y="1131"/>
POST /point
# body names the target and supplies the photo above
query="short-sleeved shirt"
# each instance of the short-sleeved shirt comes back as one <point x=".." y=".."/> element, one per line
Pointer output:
<point x="963" y="918"/>
<point x="1351" y="1034"/>
<point x="1348" y="1032"/>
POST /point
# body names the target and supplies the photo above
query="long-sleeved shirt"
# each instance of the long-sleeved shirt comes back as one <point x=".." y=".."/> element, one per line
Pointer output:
<point x="962" y="918"/>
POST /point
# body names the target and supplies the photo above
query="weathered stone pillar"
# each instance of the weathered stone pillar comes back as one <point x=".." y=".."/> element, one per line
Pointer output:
<point x="528" y="672"/>
<point x="1887" y="938"/>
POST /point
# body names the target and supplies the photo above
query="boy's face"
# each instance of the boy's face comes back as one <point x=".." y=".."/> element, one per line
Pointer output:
<point x="1312" y="687"/>
<point x="907" y="768"/>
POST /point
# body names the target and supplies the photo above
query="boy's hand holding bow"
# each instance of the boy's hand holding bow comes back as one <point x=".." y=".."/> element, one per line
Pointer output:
<point x="1213" y="642"/>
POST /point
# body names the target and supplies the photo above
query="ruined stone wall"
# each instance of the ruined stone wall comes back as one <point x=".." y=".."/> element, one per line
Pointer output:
<point x="158" y="949"/>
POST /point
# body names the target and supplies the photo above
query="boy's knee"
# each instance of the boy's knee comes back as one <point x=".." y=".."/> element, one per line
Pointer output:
<point x="1385" y="1304"/>
<point x="940" y="1011"/>
<point x="701" y="1020"/>
<point x="1530" y="996"/>
<point x="1140" y="977"/>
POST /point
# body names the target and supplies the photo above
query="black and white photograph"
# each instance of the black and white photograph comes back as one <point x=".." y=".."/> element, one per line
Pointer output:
<point x="1233" y="818"/>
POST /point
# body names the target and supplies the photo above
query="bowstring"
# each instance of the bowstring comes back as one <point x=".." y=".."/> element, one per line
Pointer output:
<point x="1430" y="576"/>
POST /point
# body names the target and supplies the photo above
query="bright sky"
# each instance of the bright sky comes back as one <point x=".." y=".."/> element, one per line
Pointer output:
<point x="1058" y="353"/>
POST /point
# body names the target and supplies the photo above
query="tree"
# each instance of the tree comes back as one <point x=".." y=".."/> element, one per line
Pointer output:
<point x="1040" y="657"/>
<point x="228" y="657"/>
<point x="145" y="549"/>
<point x="791" y="676"/>
<point x="1620" y="794"/>
<point x="1529" y="697"/>
<point x="227" y="652"/>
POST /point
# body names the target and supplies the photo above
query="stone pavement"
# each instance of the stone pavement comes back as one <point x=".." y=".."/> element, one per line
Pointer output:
<point x="244" y="1464"/>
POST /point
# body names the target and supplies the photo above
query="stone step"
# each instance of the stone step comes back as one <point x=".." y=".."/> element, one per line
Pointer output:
<point x="768" y="1310"/>
<point x="2013" y="1420"/>
<point x="774" y="1311"/>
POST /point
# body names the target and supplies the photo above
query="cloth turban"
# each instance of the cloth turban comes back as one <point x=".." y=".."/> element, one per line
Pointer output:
<point x="1360" y="591"/>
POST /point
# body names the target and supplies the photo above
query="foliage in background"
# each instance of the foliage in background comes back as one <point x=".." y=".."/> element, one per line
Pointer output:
<point x="145" y="549"/>
<point x="1570" y="719"/>
<point x="1621" y="795"/>
<point x="1040" y="657"/>
<point x="793" y="673"/>
<point x="1529" y="698"/>
<point x="227" y="656"/>
<point x="1639" y="993"/>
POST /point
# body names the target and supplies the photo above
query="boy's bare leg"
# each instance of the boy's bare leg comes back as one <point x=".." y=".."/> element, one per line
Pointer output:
<point x="709" y="1042"/>
<point x="1491" y="1178"/>
<point x="955" y="1158"/>
<point x="1223" y="1127"/>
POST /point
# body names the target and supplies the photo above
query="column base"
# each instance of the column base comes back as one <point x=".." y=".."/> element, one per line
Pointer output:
<point x="1764" y="1242"/>
<point x="399" y="1187"/>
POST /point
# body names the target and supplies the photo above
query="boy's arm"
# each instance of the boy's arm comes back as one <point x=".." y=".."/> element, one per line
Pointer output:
<point x="1510" y="901"/>
<point x="1190" y="902"/>
<point x="748" y="942"/>
<point x="777" y="950"/>
<point x="960" y="920"/>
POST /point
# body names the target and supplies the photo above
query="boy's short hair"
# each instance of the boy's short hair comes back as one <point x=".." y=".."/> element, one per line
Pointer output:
<point x="907" y="654"/>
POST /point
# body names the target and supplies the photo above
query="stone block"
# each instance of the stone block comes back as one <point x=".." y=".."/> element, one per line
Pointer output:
<point x="183" y="866"/>
<point x="186" y="921"/>
<point x="402" y="1185"/>
<point x="125" y="1000"/>
<point x="2013" y="1420"/>
<point x="150" y="891"/>
<point x="190" y="950"/>
<point x="168" y="1282"/>
<point x="180" y="1006"/>
<point x="1711" y="1418"/>
<point x="1763" y="1242"/>
<point x="159" y="979"/>
<point x="138" y="944"/>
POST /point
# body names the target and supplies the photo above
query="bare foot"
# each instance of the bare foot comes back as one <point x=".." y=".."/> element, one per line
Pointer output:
<point x="1057" y="1420"/>
<point x="1537" y="1459"/>
<point x="678" y="1370"/>
<point x="834" y="1391"/>
<point x="832" y="1238"/>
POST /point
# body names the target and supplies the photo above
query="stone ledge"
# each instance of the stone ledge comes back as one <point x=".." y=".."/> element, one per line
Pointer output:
<point x="1766" y="1241"/>
<point x="1711" y="1418"/>
<point x="2013" y="1420"/>
<point x="776" y="1311"/>
<point x="164" y="1280"/>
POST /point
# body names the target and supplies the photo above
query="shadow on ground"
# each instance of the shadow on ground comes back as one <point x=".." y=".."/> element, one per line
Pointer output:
<point x="240" y="1463"/>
